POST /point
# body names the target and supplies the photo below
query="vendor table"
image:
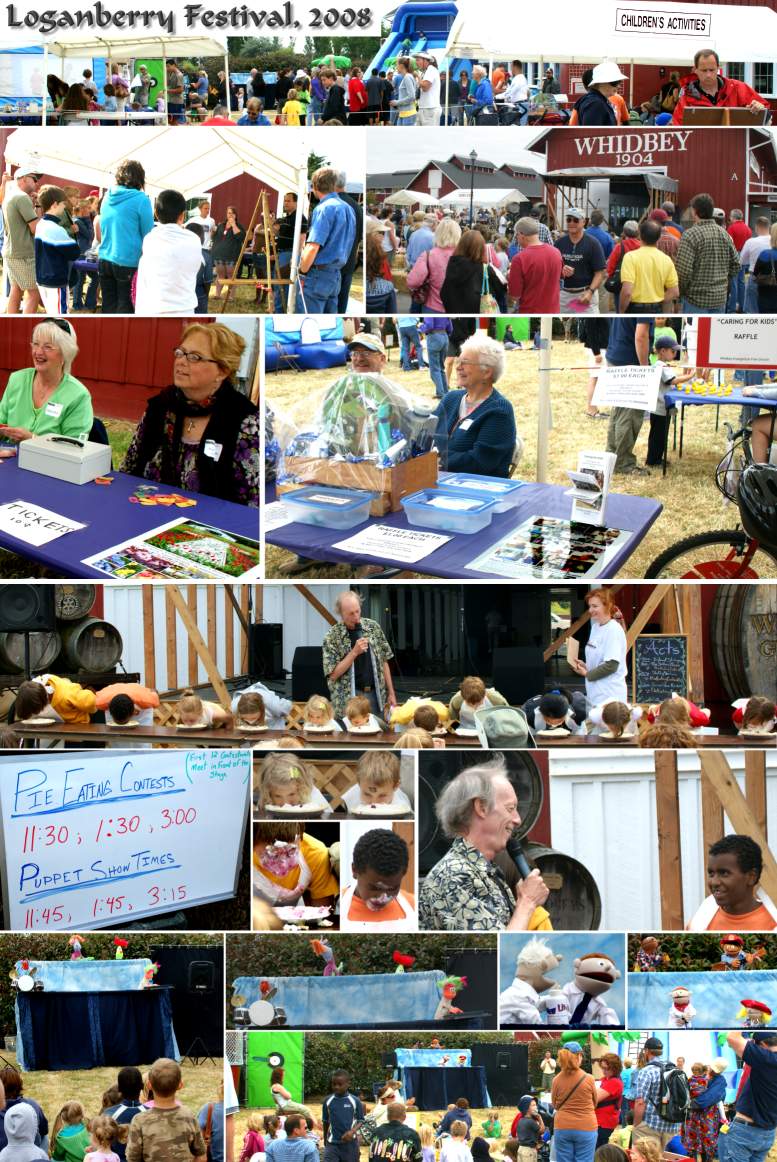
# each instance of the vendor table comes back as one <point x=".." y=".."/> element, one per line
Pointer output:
<point x="127" y="736"/>
<point x="436" y="1088"/>
<point x="632" y="514"/>
<point x="110" y="518"/>
<point x="83" y="1030"/>
<point x="681" y="400"/>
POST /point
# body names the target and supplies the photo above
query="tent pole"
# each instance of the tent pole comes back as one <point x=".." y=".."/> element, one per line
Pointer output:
<point x="45" y="92"/>
<point x="546" y="340"/>
<point x="167" y="96"/>
<point x="631" y="83"/>
<point x="228" y="88"/>
<point x="302" y="190"/>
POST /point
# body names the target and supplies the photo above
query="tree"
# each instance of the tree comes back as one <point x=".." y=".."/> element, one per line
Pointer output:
<point x="315" y="161"/>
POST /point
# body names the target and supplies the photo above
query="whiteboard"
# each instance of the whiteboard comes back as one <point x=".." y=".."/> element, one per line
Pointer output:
<point x="93" y="838"/>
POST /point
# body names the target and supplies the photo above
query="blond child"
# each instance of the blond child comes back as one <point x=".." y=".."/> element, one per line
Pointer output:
<point x="292" y="110"/>
<point x="287" y="781"/>
<point x="318" y="715"/>
<point x="417" y="739"/>
<point x="70" y="1139"/>
<point x="473" y="695"/>
<point x="359" y="717"/>
<point x="250" y="710"/>
<point x="194" y="711"/>
<point x="645" y="1150"/>
<point x="377" y="781"/>
<point x="253" y="1142"/>
<point x="169" y="1129"/>
<point x="455" y="1148"/>
<point x="754" y="715"/>
<point x="426" y="1134"/>
<point x="104" y="1131"/>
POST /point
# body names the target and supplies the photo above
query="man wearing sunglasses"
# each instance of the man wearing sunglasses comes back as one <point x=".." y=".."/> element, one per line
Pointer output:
<point x="583" y="267"/>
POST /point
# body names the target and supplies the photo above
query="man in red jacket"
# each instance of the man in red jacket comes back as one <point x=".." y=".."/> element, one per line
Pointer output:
<point x="707" y="88"/>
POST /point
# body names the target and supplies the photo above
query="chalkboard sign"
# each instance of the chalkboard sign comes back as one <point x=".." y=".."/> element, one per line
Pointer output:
<point x="660" y="666"/>
<point x="91" y="839"/>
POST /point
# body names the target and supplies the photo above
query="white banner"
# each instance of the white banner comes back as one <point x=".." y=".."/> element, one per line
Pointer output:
<point x="628" y="387"/>
<point x="743" y="340"/>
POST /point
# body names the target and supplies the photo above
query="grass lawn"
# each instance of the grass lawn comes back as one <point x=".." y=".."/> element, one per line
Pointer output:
<point x="691" y="501"/>
<point x="51" y="1090"/>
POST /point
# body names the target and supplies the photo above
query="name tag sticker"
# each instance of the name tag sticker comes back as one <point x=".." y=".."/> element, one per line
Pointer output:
<point x="465" y="425"/>
<point x="54" y="410"/>
<point x="213" y="450"/>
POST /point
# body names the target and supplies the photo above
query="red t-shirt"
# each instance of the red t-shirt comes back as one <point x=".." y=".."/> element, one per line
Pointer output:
<point x="608" y="1116"/>
<point x="535" y="279"/>
<point x="357" y="95"/>
<point x="739" y="233"/>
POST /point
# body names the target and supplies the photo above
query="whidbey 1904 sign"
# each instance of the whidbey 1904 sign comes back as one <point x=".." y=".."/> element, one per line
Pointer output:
<point x="655" y="147"/>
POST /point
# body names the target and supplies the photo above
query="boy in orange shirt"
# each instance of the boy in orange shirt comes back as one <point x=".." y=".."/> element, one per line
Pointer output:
<point x="736" y="903"/>
<point x="375" y="901"/>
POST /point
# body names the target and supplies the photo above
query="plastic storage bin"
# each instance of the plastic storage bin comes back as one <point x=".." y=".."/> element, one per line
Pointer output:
<point x="331" y="508"/>
<point x="431" y="508"/>
<point x="504" y="492"/>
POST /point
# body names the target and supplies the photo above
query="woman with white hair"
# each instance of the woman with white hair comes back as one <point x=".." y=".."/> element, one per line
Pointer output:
<point x="477" y="423"/>
<point x="428" y="273"/>
<point x="466" y="890"/>
<point x="46" y="399"/>
<point x="482" y="100"/>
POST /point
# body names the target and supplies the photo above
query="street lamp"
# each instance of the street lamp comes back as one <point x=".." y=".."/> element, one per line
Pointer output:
<point x="472" y="159"/>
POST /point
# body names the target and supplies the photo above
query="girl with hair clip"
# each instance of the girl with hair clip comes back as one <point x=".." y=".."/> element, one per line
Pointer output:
<point x="286" y="781"/>
<point x="318" y="716"/>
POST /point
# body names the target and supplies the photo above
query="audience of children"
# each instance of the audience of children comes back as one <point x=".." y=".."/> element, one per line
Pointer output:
<point x="375" y="899"/>
<point x="458" y="1112"/>
<point x="70" y="1139"/>
<point x="125" y="1104"/>
<point x="103" y="1133"/>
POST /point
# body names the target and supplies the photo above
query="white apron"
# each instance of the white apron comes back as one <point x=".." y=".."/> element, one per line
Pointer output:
<point x="408" y="923"/>
<point x="275" y="894"/>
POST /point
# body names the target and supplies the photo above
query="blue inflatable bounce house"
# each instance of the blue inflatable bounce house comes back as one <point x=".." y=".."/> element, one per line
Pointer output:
<point x="313" y="343"/>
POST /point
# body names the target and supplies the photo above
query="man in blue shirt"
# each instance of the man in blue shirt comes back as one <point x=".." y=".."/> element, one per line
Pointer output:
<point x="597" y="231"/>
<point x="328" y="246"/>
<point x="421" y="240"/>
<point x="340" y="1114"/>
<point x="296" y="1146"/>
<point x="752" y="1132"/>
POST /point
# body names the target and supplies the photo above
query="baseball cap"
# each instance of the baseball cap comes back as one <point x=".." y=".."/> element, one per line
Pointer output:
<point x="719" y="213"/>
<point x="666" y="341"/>
<point x="27" y="171"/>
<point x="658" y="216"/>
<point x="607" y="72"/>
<point x="368" y="340"/>
<point x="654" y="1045"/>
<point x="573" y="1046"/>
<point x="575" y="212"/>
<point x="764" y="1036"/>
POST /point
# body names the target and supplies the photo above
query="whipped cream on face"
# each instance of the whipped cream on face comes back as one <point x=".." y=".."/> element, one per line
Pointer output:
<point x="280" y="858"/>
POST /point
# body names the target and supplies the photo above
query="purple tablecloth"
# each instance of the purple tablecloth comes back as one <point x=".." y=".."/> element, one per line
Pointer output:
<point x="110" y="518"/>
<point x="676" y="398"/>
<point x="633" y="514"/>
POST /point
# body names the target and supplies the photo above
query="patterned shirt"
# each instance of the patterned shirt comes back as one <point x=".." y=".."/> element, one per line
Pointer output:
<point x="648" y="1085"/>
<point x="336" y="645"/>
<point x="706" y="262"/>
<point x="465" y="891"/>
<point x="165" y="1135"/>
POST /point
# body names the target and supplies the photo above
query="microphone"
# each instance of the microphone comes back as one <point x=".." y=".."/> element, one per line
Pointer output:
<point x="515" y="851"/>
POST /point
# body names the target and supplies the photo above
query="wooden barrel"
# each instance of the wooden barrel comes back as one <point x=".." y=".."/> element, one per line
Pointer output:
<point x="438" y="767"/>
<point x="72" y="602"/>
<point x="44" y="649"/>
<point x="743" y="633"/>
<point x="91" y="644"/>
<point x="574" y="901"/>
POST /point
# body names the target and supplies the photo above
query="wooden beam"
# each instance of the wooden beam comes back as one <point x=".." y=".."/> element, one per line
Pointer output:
<point x="211" y="607"/>
<point x="237" y="606"/>
<point x="743" y="818"/>
<point x="646" y="612"/>
<point x="317" y="605"/>
<point x="671" y="618"/>
<point x="574" y="627"/>
<point x="171" y="628"/>
<point x="245" y="625"/>
<point x="711" y="814"/>
<point x="214" y="677"/>
<point x="149" y="651"/>
<point x="191" y="599"/>
<point x="690" y="604"/>
<point x="229" y="631"/>
<point x="669" y="852"/>
<point x="755" y="785"/>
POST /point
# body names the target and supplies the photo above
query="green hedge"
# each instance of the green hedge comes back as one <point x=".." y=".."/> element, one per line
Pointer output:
<point x="50" y="946"/>
<point x="699" y="952"/>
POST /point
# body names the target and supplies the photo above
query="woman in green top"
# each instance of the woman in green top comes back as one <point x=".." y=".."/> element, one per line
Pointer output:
<point x="45" y="399"/>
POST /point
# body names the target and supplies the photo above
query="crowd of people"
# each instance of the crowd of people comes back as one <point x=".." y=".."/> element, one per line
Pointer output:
<point x="698" y="262"/>
<point x="141" y="1119"/>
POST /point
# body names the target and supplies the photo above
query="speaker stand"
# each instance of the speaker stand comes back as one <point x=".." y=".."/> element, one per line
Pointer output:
<point x="194" y="1055"/>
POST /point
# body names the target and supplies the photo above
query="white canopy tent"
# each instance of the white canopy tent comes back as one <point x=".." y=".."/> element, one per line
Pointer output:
<point x="124" y="46"/>
<point x="629" y="33"/>
<point x="410" y="198"/>
<point x="188" y="162"/>
<point x="492" y="198"/>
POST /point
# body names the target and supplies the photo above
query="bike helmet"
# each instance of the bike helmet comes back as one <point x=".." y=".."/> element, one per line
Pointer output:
<point x="758" y="503"/>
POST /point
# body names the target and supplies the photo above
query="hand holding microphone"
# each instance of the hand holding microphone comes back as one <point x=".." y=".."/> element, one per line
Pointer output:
<point x="532" y="891"/>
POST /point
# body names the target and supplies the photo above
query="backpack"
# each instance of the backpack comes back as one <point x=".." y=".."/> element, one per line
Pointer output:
<point x="501" y="726"/>
<point x="674" y="1102"/>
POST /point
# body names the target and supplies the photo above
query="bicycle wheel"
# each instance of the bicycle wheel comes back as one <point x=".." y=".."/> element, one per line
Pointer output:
<point x="721" y="555"/>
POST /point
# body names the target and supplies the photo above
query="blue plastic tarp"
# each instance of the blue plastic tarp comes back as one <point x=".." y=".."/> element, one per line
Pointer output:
<point x="716" y="996"/>
<point x="407" y="1058"/>
<point x="90" y="976"/>
<point x="331" y="1001"/>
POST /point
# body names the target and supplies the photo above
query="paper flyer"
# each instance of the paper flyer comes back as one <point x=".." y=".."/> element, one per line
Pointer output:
<point x="551" y="549"/>
<point x="591" y="486"/>
<point x="33" y="525"/>
<point x="387" y="543"/>
<point x="181" y="550"/>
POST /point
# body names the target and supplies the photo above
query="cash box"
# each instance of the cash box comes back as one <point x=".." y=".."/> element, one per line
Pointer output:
<point x="65" y="458"/>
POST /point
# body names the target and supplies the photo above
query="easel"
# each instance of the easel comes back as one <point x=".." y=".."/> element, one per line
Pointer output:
<point x="261" y="215"/>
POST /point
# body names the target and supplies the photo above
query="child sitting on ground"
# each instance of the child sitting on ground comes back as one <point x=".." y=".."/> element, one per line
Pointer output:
<point x="168" y="1129"/>
<point x="69" y="1139"/>
<point x="377" y="781"/>
<point x="318" y="715"/>
<point x="615" y="719"/>
<point x="455" y="1148"/>
<point x="276" y="709"/>
<point x="458" y="1112"/>
<point x="253" y="1142"/>
<point x="104" y="1132"/>
<point x="491" y="1127"/>
<point x="375" y="901"/>
<point x="554" y="710"/>
<point x="754" y="715"/>
<point x="249" y="710"/>
<point x="473" y="696"/>
<point x="194" y="711"/>
<point x="359" y="717"/>
<point x="287" y="781"/>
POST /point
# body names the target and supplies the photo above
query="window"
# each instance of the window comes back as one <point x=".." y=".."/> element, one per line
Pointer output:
<point x="763" y="77"/>
<point x="735" y="70"/>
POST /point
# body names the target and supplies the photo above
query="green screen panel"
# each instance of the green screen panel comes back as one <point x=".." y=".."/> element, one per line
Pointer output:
<point x="262" y="1052"/>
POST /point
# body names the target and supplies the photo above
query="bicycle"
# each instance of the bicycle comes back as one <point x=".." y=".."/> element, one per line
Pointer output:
<point x="740" y="556"/>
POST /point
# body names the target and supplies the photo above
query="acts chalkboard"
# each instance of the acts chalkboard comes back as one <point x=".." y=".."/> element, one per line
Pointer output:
<point x="660" y="666"/>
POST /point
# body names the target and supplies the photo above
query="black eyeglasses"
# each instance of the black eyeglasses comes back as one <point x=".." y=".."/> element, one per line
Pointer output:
<point x="191" y="356"/>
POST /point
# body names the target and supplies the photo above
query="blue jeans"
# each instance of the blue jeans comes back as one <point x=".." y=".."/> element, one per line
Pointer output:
<point x="281" y="293"/>
<point x="736" y="294"/>
<point x="692" y="309"/>
<point x="115" y="284"/>
<point x="320" y="291"/>
<point x="91" y="293"/>
<point x="409" y="336"/>
<point x="575" y="1145"/>
<point x="402" y="122"/>
<point x="751" y="296"/>
<point x="746" y="1143"/>
<point x="436" y="349"/>
<point x="314" y="110"/>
